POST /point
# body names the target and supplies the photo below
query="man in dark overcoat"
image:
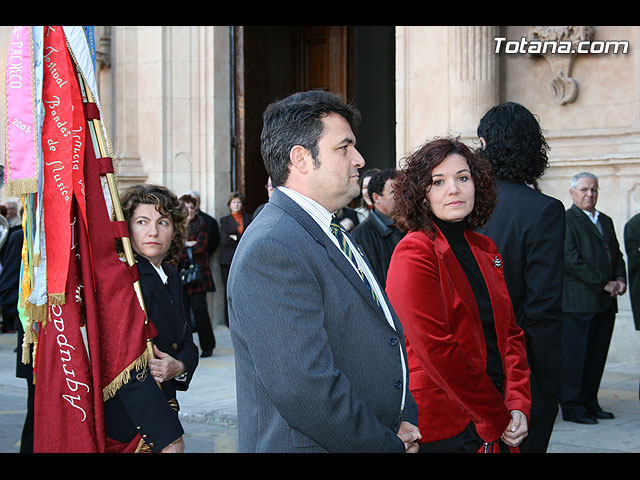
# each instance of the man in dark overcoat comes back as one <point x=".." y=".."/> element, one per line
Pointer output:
<point x="594" y="275"/>
<point x="632" y="247"/>
<point x="528" y="228"/>
<point x="378" y="234"/>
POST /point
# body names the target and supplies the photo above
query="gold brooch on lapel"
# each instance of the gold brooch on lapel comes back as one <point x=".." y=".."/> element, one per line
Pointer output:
<point x="497" y="263"/>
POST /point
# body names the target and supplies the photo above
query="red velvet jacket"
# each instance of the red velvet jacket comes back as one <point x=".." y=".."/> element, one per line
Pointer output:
<point x="445" y="342"/>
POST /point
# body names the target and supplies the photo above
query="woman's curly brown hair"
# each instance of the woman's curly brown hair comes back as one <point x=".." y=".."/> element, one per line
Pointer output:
<point x="167" y="203"/>
<point x="412" y="211"/>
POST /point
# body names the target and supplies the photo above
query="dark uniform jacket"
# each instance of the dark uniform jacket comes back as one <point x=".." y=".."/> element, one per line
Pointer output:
<point x="141" y="406"/>
<point x="198" y="231"/>
<point x="632" y="244"/>
<point x="228" y="226"/>
<point x="591" y="260"/>
<point x="378" y="237"/>
<point x="529" y="228"/>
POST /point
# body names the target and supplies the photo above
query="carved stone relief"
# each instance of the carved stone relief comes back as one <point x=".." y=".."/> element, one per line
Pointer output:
<point x="565" y="88"/>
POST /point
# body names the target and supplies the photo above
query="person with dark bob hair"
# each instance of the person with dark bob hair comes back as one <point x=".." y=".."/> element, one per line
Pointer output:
<point x="232" y="228"/>
<point x="467" y="361"/>
<point x="529" y="229"/>
<point x="146" y="407"/>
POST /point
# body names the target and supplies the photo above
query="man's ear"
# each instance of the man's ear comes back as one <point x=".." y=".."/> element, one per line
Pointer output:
<point x="483" y="142"/>
<point x="300" y="158"/>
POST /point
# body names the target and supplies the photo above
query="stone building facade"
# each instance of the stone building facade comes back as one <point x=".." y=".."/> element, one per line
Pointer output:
<point x="176" y="109"/>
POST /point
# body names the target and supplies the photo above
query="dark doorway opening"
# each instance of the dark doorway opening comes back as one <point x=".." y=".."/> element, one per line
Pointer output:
<point x="270" y="63"/>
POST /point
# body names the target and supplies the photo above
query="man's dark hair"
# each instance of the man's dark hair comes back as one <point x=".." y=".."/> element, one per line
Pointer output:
<point x="297" y="120"/>
<point x="378" y="180"/>
<point x="515" y="145"/>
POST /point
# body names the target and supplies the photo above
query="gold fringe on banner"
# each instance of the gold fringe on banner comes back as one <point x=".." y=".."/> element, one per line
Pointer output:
<point x="123" y="377"/>
<point x="17" y="188"/>
<point x="56" y="298"/>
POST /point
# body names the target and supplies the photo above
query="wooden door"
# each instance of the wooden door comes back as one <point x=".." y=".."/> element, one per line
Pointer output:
<point x="323" y="59"/>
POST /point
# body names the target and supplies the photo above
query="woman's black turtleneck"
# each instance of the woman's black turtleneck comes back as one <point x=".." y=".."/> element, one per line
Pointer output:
<point x="454" y="233"/>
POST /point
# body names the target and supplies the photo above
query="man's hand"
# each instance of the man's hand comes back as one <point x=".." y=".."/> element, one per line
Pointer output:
<point x="410" y="435"/>
<point x="611" y="288"/>
<point x="621" y="287"/>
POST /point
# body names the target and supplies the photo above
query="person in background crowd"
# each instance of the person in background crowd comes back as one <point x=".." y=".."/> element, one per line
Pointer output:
<point x="528" y="228"/>
<point x="11" y="237"/>
<point x="213" y="231"/>
<point x="632" y="247"/>
<point x="347" y="217"/>
<point x="378" y="234"/>
<point x="269" y="188"/>
<point x="195" y="295"/>
<point x="156" y="220"/>
<point x="365" y="201"/>
<point x="232" y="228"/>
<point x="594" y="275"/>
<point x="12" y="216"/>
<point x="467" y="357"/>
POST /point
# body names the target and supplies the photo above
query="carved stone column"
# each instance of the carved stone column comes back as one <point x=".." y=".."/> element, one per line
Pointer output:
<point x="124" y="126"/>
<point x="473" y="76"/>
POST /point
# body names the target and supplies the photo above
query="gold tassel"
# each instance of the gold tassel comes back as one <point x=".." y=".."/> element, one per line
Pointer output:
<point x="56" y="298"/>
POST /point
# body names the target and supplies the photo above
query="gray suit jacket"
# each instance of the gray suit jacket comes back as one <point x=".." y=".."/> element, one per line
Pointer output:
<point x="318" y="367"/>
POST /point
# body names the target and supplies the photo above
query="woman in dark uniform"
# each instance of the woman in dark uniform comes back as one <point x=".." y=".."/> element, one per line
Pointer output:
<point x="144" y="412"/>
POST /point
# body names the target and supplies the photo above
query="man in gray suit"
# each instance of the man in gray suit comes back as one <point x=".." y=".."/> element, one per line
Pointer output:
<point x="320" y="354"/>
<point x="594" y="275"/>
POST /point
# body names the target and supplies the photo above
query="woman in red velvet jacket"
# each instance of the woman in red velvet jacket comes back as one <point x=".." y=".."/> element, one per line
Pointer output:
<point x="467" y="357"/>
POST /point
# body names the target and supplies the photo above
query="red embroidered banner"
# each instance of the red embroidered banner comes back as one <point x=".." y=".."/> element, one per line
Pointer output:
<point x="59" y="91"/>
<point x="64" y="414"/>
<point x="89" y="286"/>
<point x="116" y="323"/>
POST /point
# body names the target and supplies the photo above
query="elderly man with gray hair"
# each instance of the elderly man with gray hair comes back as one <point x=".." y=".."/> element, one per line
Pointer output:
<point x="594" y="275"/>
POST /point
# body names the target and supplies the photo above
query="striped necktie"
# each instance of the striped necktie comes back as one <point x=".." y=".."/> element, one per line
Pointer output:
<point x="337" y="230"/>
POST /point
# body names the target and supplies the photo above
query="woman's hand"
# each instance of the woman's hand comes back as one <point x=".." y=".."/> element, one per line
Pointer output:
<point x="165" y="367"/>
<point x="517" y="429"/>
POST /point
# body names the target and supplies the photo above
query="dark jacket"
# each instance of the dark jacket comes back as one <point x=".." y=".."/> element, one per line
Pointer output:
<point x="378" y="237"/>
<point x="198" y="231"/>
<point x="213" y="232"/>
<point x="11" y="258"/>
<point x="141" y="406"/>
<point x="228" y="226"/>
<point x="591" y="259"/>
<point x="632" y="244"/>
<point x="528" y="228"/>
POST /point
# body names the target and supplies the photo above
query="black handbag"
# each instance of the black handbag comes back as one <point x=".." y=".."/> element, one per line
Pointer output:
<point x="192" y="275"/>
